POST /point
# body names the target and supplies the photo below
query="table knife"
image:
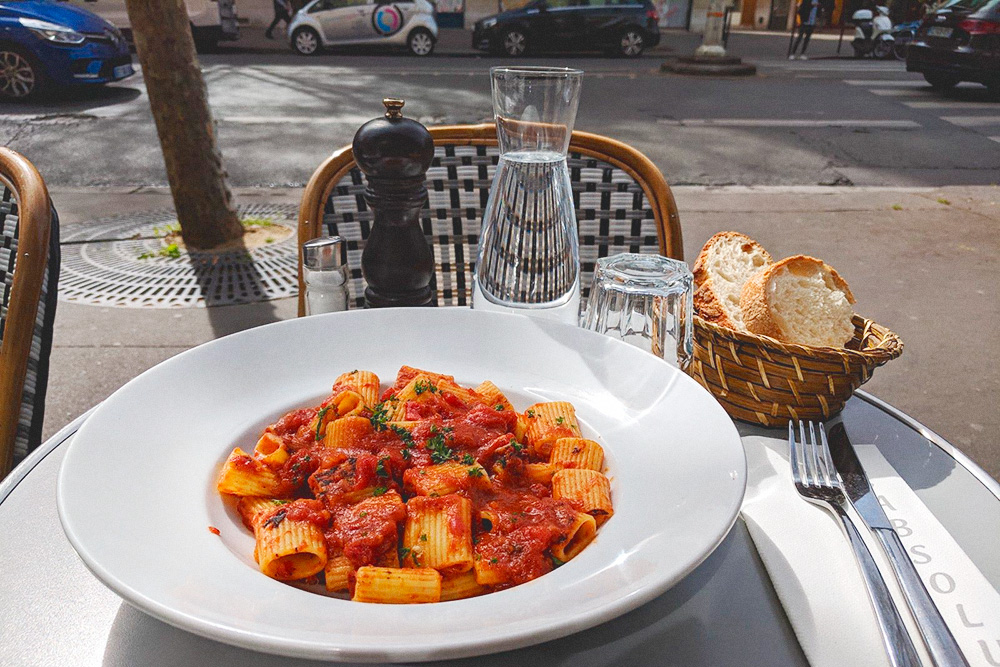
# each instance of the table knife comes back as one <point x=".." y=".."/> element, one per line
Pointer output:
<point x="940" y="642"/>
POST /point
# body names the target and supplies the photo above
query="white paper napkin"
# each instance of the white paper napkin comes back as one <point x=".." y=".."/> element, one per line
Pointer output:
<point x="816" y="577"/>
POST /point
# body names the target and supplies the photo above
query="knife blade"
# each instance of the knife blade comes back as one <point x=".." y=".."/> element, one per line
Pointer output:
<point x="941" y="644"/>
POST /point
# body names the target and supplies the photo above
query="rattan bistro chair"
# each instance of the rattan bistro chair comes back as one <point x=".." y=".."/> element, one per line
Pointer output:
<point x="29" y="271"/>
<point x="623" y="204"/>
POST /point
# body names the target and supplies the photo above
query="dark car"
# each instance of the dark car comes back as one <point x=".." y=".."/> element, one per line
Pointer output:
<point x="44" y="43"/>
<point x="959" y="42"/>
<point x="626" y="27"/>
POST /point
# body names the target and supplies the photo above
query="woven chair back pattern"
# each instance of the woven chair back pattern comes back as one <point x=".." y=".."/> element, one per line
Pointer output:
<point x="29" y="424"/>
<point x="612" y="212"/>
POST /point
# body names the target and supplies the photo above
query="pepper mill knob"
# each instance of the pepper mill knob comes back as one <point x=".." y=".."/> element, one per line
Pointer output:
<point x="394" y="153"/>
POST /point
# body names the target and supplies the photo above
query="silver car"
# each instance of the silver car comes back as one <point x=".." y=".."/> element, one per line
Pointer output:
<point x="408" y="23"/>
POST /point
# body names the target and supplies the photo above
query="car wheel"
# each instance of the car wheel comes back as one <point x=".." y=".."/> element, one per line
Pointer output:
<point x="631" y="43"/>
<point x="940" y="81"/>
<point x="514" y="43"/>
<point x="882" y="49"/>
<point x="20" y="77"/>
<point x="306" y="42"/>
<point x="421" y="42"/>
<point x="899" y="49"/>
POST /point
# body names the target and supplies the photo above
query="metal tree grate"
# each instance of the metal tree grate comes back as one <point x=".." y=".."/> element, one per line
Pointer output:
<point x="101" y="265"/>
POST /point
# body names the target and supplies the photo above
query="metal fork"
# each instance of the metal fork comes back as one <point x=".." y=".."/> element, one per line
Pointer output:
<point x="817" y="481"/>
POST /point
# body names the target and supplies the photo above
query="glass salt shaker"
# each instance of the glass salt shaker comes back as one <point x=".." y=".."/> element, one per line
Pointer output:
<point x="324" y="270"/>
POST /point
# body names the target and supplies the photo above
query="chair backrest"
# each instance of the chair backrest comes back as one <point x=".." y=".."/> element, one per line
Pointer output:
<point x="623" y="204"/>
<point x="29" y="272"/>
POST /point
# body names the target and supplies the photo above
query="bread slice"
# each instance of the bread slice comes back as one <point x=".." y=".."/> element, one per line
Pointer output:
<point x="799" y="300"/>
<point x="723" y="265"/>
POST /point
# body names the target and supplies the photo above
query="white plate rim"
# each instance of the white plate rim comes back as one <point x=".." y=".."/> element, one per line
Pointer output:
<point x="304" y="648"/>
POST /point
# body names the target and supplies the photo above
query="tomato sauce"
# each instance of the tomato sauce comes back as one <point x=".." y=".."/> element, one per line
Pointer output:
<point x="357" y="495"/>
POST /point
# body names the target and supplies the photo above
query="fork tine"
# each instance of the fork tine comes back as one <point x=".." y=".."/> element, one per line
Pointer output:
<point x="831" y="471"/>
<point x="793" y="453"/>
<point x="808" y="458"/>
<point x="822" y="479"/>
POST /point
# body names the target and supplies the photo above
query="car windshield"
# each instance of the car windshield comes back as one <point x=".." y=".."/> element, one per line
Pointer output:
<point x="973" y="5"/>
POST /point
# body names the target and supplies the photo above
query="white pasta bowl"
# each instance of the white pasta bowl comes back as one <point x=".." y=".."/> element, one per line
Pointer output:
<point x="136" y="491"/>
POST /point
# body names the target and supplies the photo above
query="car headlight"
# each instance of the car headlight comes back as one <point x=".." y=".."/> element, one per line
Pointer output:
<point x="53" y="32"/>
<point x="489" y="23"/>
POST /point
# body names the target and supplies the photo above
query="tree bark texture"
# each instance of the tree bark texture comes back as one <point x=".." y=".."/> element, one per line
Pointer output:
<point x="179" y="101"/>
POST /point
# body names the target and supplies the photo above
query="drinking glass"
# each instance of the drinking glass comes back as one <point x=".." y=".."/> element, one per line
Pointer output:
<point x="529" y="259"/>
<point x="647" y="301"/>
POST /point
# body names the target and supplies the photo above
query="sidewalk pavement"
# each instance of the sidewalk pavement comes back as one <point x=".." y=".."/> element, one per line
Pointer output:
<point x="923" y="262"/>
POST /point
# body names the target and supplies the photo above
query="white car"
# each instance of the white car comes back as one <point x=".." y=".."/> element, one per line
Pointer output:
<point x="409" y="23"/>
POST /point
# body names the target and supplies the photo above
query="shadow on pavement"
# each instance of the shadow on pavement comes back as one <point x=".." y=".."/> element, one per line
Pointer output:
<point x="75" y="100"/>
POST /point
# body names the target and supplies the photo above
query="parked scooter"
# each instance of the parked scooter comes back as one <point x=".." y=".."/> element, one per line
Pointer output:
<point x="872" y="35"/>
<point x="902" y="35"/>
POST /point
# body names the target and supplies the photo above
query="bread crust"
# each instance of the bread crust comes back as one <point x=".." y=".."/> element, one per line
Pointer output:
<point x="757" y="316"/>
<point x="706" y="301"/>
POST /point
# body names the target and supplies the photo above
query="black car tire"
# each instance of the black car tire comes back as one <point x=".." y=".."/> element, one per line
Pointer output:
<point x="21" y="76"/>
<point x="899" y="49"/>
<point x="306" y="41"/>
<point x="631" y="43"/>
<point x="514" y="42"/>
<point x="940" y="81"/>
<point x="420" y="42"/>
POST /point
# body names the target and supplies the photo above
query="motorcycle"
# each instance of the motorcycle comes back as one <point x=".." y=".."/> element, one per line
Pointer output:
<point x="902" y="35"/>
<point x="872" y="34"/>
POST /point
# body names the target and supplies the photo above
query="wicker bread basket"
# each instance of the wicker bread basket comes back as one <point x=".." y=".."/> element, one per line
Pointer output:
<point x="761" y="380"/>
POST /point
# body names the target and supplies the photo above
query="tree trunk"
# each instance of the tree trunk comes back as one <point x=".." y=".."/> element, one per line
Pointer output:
<point x="179" y="101"/>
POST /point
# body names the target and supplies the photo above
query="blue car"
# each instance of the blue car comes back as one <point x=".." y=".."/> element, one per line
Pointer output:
<point x="48" y="43"/>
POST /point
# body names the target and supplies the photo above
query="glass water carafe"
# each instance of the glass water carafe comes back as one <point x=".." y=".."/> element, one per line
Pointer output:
<point x="529" y="258"/>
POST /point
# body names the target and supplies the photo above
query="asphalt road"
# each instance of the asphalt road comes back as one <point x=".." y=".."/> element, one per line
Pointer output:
<point x="825" y="121"/>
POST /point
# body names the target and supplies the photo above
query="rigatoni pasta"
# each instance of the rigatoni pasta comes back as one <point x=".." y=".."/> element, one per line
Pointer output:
<point x="426" y="492"/>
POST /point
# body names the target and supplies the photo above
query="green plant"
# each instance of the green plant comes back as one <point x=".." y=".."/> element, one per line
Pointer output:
<point x="942" y="200"/>
<point x="258" y="222"/>
<point x="172" y="251"/>
<point x="897" y="207"/>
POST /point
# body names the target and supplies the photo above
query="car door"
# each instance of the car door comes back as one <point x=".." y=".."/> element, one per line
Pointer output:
<point x="344" y="21"/>
<point x="389" y="17"/>
<point x="561" y="21"/>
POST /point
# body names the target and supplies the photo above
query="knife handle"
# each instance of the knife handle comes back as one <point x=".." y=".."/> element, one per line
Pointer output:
<point x="940" y="642"/>
<point x="895" y="638"/>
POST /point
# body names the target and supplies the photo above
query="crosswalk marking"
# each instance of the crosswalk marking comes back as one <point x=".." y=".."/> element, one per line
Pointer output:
<point x="951" y="104"/>
<point x="788" y="122"/>
<point x="899" y="92"/>
<point x="879" y="83"/>
<point x="972" y="121"/>
<point x="996" y="139"/>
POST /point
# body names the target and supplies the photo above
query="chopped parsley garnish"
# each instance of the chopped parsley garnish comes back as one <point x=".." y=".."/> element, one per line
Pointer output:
<point x="423" y="537"/>
<point x="560" y="420"/>
<point x="380" y="415"/>
<point x="379" y="490"/>
<point x="493" y="561"/>
<point x="402" y="434"/>
<point x="440" y="452"/>
<point x="362" y="515"/>
<point x="275" y="520"/>
<point x="468" y="460"/>
<point x="406" y="453"/>
<point x="404" y="552"/>
<point x="516" y="445"/>
<point x="319" y="419"/>
<point x="530" y="413"/>
<point x="556" y="562"/>
<point x="380" y="468"/>
<point x="421" y="386"/>
<point x="498" y="407"/>
<point x="475" y="472"/>
<point x="280" y="502"/>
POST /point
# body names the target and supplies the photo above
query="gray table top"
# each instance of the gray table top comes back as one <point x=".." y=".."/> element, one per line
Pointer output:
<point x="724" y="613"/>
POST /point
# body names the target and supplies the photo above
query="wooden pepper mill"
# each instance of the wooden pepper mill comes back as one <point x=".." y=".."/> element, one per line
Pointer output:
<point x="397" y="263"/>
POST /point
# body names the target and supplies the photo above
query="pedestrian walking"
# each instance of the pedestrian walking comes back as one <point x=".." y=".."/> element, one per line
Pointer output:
<point x="282" y="12"/>
<point x="809" y="15"/>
